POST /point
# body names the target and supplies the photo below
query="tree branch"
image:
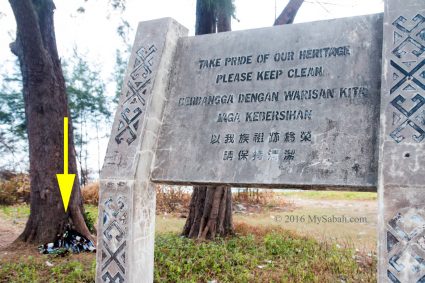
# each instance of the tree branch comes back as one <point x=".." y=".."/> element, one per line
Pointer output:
<point x="28" y="31"/>
<point x="288" y="14"/>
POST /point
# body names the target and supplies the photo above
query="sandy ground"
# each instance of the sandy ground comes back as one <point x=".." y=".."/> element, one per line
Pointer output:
<point x="361" y="235"/>
<point x="301" y="213"/>
<point x="9" y="231"/>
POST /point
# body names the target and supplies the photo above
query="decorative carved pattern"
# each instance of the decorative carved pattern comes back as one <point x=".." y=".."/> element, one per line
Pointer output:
<point x="406" y="230"/>
<point x="108" y="278"/>
<point x="408" y="73"/>
<point x="134" y="104"/>
<point x="114" y="239"/>
<point x="406" y="246"/>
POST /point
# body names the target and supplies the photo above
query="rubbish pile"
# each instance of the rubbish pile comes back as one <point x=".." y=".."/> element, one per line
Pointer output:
<point x="69" y="241"/>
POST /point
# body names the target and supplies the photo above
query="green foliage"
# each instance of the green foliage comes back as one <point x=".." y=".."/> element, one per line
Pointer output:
<point x="33" y="269"/>
<point x="73" y="271"/>
<point x="22" y="271"/>
<point x="90" y="220"/>
<point x="92" y="209"/>
<point x="85" y="90"/>
<point x="123" y="31"/>
<point x="227" y="5"/>
<point x="119" y="5"/>
<point x="87" y="102"/>
<point x="180" y="259"/>
<point x="12" y="110"/>
<point x="274" y="257"/>
<point x="86" y="97"/>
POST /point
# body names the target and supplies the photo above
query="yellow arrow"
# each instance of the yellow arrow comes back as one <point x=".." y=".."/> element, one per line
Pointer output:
<point x="65" y="180"/>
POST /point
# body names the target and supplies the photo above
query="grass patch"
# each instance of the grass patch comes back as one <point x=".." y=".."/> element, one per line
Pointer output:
<point x="90" y="216"/>
<point x="267" y="256"/>
<point x="169" y="224"/>
<point x="276" y="256"/>
<point x="79" y="268"/>
<point x="258" y="253"/>
<point x="21" y="211"/>
<point x="332" y="195"/>
<point x="92" y="209"/>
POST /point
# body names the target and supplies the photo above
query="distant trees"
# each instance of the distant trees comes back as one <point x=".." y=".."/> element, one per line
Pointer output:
<point x="12" y="112"/>
<point x="88" y="106"/>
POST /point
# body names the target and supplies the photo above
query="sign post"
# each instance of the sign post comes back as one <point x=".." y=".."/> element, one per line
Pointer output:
<point x="289" y="106"/>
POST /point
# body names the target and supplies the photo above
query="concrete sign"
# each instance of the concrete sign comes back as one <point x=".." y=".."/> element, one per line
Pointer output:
<point x="290" y="105"/>
<point x="298" y="105"/>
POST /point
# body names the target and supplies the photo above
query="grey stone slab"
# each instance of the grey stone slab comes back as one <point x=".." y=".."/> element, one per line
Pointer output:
<point x="294" y="105"/>
<point x="144" y="196"/>
<point x="121" y="157"/>
<point x="126" y="231"/>
<point x="402" y="237"/>
<point x="113" y="241"/>
<point x="402" y="144"/>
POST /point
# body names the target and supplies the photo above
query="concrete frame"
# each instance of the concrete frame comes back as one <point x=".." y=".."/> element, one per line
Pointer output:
<point x="127" y="195"/>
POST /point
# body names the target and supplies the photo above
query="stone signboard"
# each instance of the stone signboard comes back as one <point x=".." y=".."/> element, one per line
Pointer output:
<point x="292" y="105"/>
<point x="298" y="105"/>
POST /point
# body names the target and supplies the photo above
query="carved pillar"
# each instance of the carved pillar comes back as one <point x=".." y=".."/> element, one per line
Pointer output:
<point x="127" y="197"/>
<point x="402" y="144"/>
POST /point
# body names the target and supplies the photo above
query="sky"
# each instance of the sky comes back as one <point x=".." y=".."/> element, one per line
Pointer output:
<point x="94" y="31"/>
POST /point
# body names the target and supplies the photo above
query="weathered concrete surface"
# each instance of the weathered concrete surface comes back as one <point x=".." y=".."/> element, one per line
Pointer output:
<point x="402" y="144"/>
<point x="127" y="197"/>
<point x="323" y="80"/>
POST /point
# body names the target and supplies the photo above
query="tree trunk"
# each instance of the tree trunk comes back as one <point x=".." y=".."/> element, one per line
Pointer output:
<point x="289" y="12"/>
<point x="210" y="213"/>
<point x="45" y="106"/>
<point x="224" y="20"/>
<point x="205" y="18"/>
